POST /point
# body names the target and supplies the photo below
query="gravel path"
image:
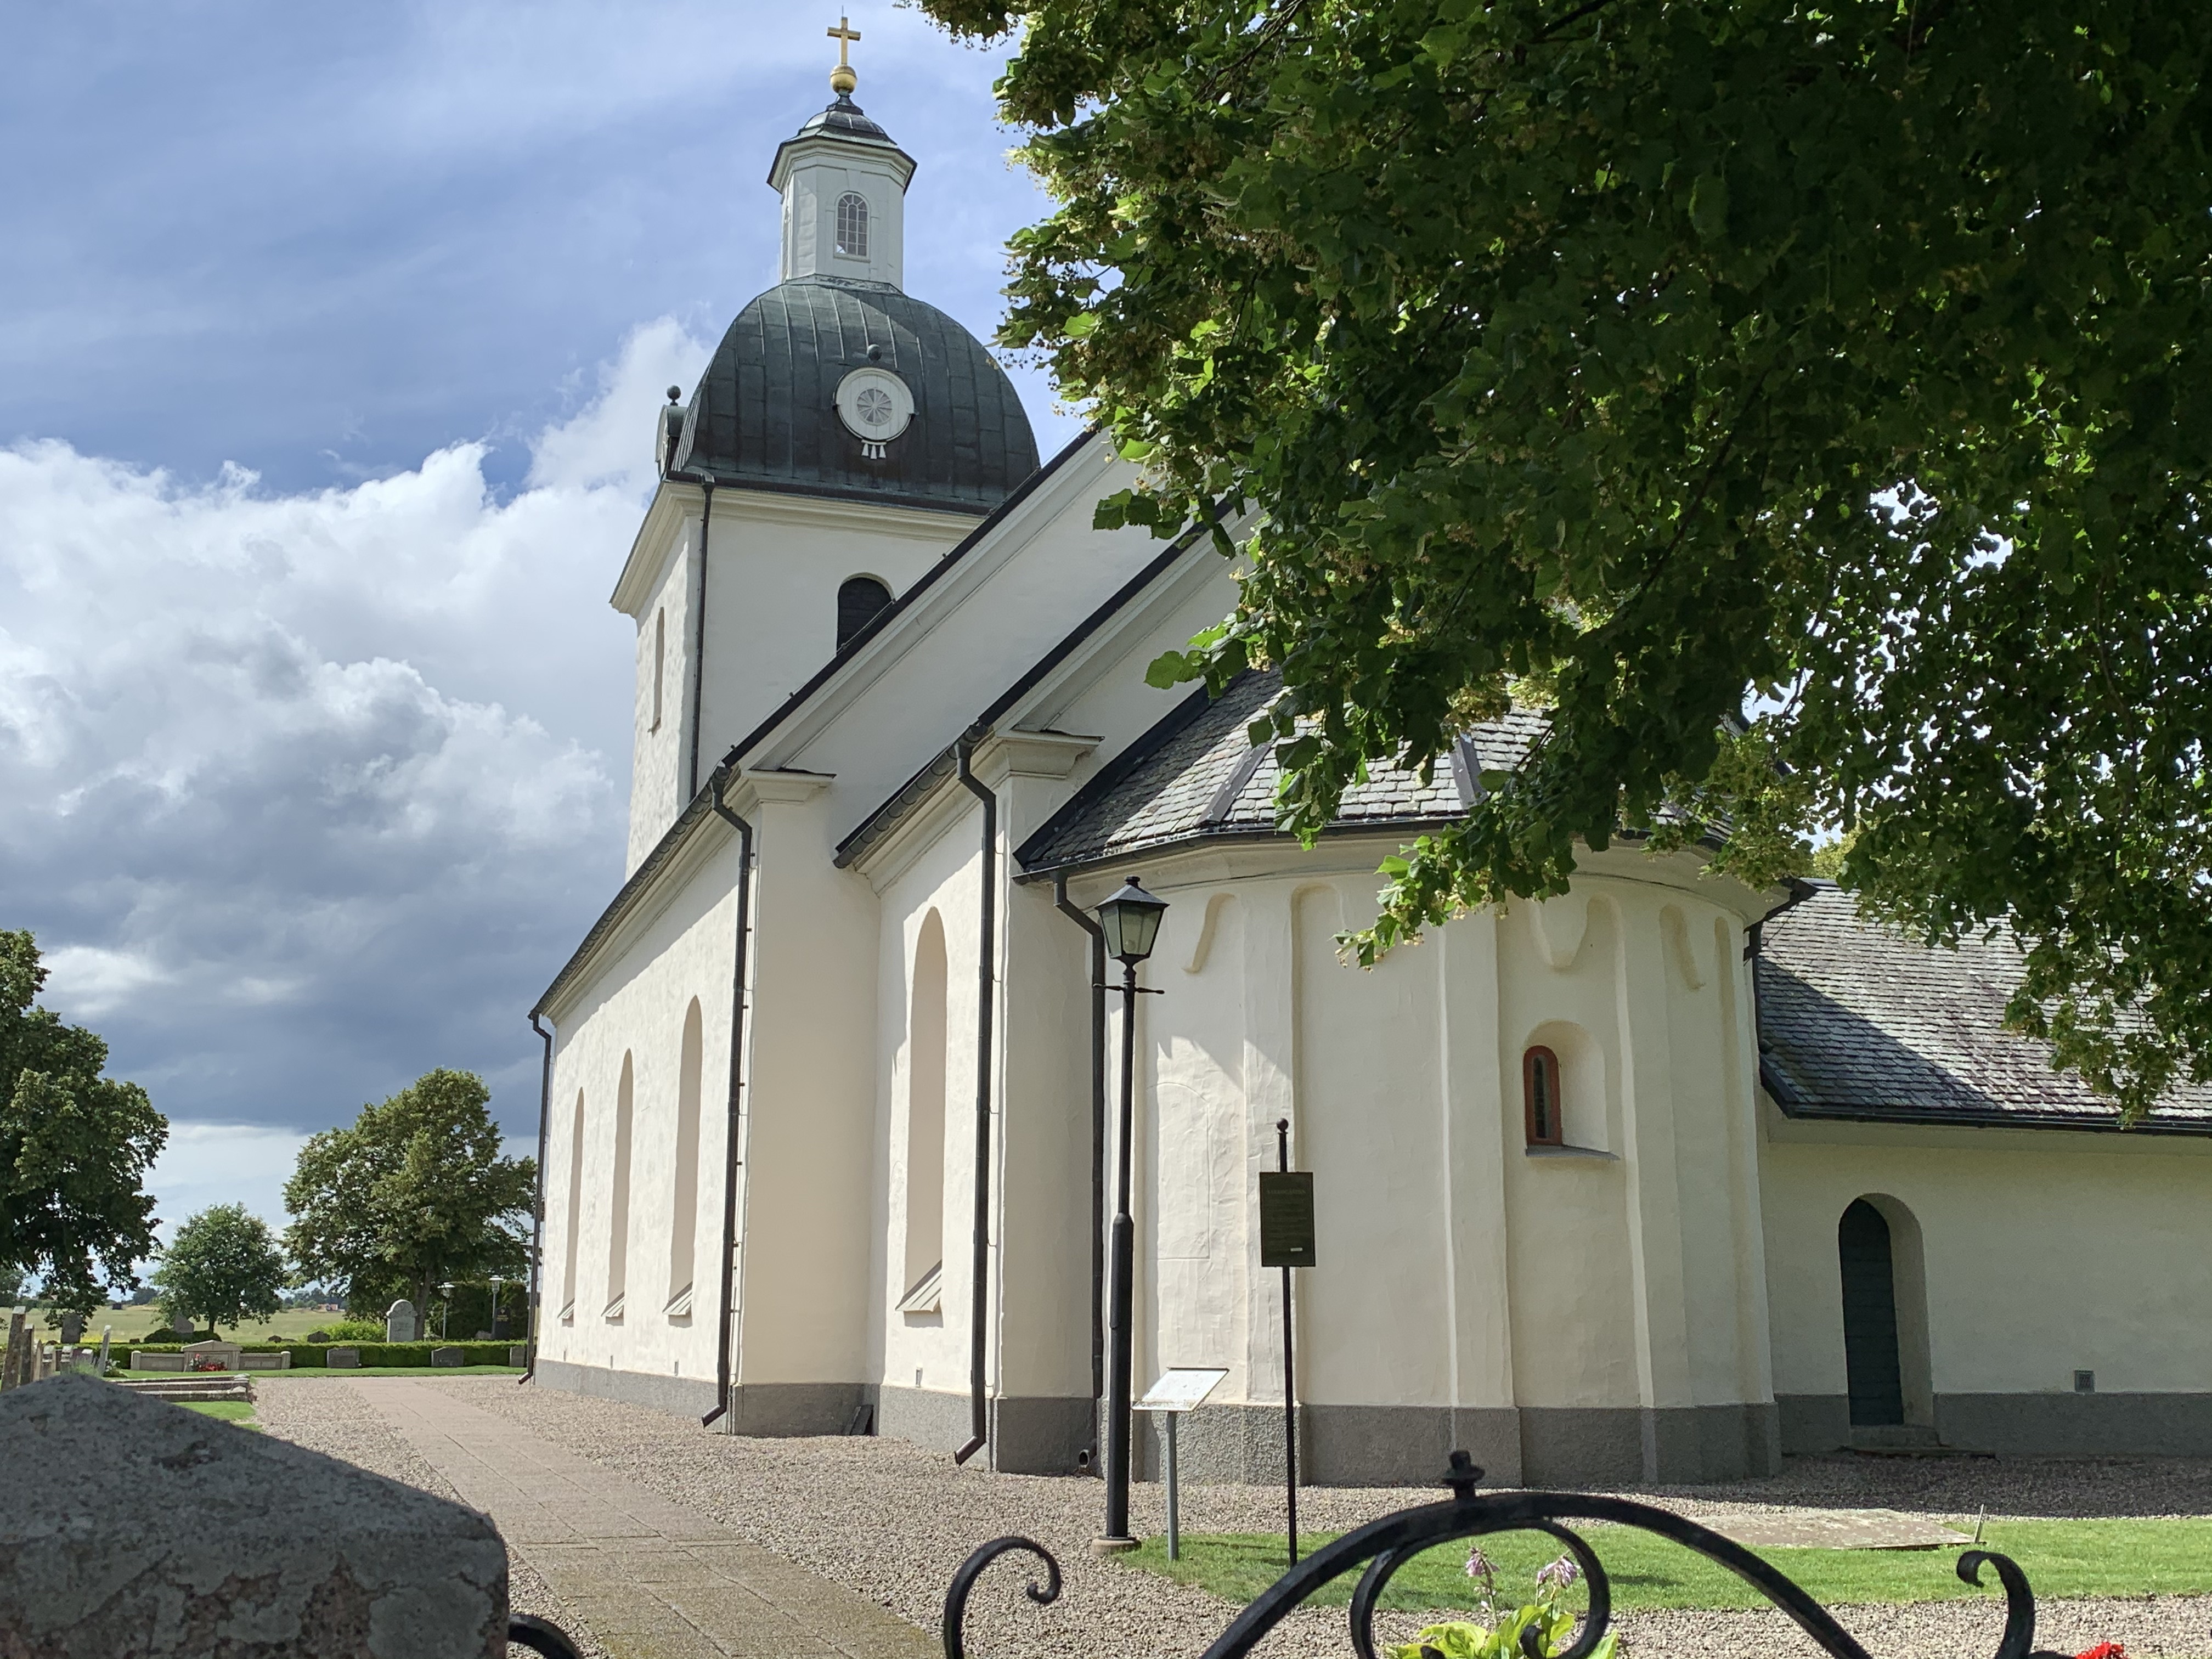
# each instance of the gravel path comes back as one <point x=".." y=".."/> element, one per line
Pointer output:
<point x="892" y="1522"/>
<point x="328" y="1417"/>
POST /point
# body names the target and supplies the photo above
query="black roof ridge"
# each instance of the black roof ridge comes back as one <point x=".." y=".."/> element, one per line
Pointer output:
<point x="1163" y="731"/>
<point x="700" y="806"/>
<point x="936" y="768"/>
<point x="899" y="606"/>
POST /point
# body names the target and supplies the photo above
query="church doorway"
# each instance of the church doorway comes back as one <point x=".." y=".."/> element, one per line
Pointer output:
<point x="1873" y="1365"/>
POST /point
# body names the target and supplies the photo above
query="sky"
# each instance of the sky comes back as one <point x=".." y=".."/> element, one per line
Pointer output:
<point x="330" y="342"/>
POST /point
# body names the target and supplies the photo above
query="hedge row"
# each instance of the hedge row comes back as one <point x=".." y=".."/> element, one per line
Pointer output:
<point x="314" y="1354"/>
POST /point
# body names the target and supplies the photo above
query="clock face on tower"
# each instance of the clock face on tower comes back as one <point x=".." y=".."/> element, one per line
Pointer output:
<point x="876" y="407"/>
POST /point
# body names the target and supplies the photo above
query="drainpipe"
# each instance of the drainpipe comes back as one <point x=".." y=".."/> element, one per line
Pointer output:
<point x="1089" y="924"/>
<point x="699" y="647"/>
<point x="736" y="1062"/>
<point x="979" y="1424"/>
<point x="538" y="1216"/>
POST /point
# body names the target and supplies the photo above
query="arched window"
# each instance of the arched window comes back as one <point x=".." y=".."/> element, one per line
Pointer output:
<point x="853" y="225"/>
<point x="659" y="661"/>
<point x="924" y="1116"/>
<point x="575" y="1210"/>
<point x="1539" y="1095"/>
<point x="618" y="1210"/>
<point x="858" y="600"/>
<point x="683" y="1202"/>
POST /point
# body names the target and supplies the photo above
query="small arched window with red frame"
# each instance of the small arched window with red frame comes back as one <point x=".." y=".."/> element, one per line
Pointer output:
<point x="1540" y="1094"/>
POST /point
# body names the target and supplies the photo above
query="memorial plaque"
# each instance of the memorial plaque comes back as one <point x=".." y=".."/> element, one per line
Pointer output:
<point x="1286" y="1219"/>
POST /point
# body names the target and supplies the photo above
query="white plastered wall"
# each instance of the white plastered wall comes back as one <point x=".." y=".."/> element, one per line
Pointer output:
<point x="635" y="1003"/>
<point x="774" y="564"/>
<point x="2045" y="1252"/>
<point x="1635" y="1276"/>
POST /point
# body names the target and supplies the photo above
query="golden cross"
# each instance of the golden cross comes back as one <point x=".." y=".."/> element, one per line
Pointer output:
<point x="844" y="34"/>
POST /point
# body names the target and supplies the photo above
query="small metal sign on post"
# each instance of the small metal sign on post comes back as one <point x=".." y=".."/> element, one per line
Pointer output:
<point x="1286" y="1241"/>
<point x="1182" y="1389"/>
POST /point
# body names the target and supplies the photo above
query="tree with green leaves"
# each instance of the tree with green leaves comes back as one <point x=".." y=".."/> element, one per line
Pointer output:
<point x="415" y="1192"/>
<point x="75" y="1147"/>
<point x="1810" y="407"/>
<point x="224" y="1267"/>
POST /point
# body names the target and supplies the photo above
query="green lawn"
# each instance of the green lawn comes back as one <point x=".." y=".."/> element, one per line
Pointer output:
<point x="240" y="1411"/>
<point x="2061" y="1558"/>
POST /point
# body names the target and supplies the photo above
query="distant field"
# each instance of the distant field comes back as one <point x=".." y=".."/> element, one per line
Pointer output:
<point x="291" y="1326"/>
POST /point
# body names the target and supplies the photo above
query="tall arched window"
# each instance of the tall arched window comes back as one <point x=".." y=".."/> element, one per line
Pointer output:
<point x="925" y="1114"/>
<point x="659" y="661"/>
<point x="683" y="1202"/>
<point x="575" y="1210"/>
<point x="858" y="599"/>
<point x="1541" y="1097"/>
<point x="618" y="1210"/>
<point x="853" y="225"/>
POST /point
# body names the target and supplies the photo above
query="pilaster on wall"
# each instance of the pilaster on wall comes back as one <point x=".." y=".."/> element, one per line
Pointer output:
<point x="1475" y="1129"/>
<point x="809" y="1103"/>
<point x="1655" y="1230"/>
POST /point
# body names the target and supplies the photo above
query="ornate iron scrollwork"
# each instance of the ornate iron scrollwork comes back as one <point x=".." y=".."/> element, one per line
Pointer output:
<point x="956" y="1598"/>
<point x="1388" y="1544"/>
<point x="539" y="1636"/>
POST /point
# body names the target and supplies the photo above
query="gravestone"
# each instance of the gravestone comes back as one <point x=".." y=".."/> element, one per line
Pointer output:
<point x="165" y="1544"/>
<point x="213" y="1356"/>
<point x="343" y="1359"/>
<point x="72" y="1330"/>
<point x="181" y="1324"/>
<point x="399" y="1322"/>
<point x="446" y="1355"/>
<point x="518" y="1354"/>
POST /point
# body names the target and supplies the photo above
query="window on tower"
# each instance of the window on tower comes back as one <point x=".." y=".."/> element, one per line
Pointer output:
<point x="1540" y="1090"/>
<point x="858" y="599"/>
<point x="853" y="225"/>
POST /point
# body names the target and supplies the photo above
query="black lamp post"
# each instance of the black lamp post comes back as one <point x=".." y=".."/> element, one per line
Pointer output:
<point x="1131" y="919"/>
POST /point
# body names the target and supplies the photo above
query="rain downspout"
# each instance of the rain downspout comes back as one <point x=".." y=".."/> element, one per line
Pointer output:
<point x="744" y="830"/>
<point x="979" y="1423"/>
<point x="537" y="1215"/>
<point x="699" y="650"/>
<point x="1083" y="920"/>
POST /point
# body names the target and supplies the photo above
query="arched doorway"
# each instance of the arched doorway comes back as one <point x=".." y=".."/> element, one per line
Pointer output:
<point x="1873" y="1371"/>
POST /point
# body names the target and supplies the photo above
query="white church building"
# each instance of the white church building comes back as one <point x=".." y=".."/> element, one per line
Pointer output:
<point x="1657" y="1181"/>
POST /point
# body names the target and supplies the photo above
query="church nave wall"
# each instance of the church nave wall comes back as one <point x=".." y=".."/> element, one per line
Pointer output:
<point x="637" y="1012"/>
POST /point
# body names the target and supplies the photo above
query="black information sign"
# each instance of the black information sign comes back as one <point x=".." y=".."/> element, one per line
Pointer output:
<point x="1286" y="1219"/>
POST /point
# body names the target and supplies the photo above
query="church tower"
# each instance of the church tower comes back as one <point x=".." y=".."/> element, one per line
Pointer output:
<point x="844" y="437"/>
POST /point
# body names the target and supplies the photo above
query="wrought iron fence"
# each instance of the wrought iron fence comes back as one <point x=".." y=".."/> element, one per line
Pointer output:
<point x="1389" y="1544"/>
<point x="540" y="1637"/>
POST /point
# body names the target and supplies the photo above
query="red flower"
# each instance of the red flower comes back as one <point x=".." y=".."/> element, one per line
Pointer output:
<point x="2105" y="1651"/>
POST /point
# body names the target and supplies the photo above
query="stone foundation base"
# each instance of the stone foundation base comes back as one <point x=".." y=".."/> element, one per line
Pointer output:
<point x="2052" y="1424"/>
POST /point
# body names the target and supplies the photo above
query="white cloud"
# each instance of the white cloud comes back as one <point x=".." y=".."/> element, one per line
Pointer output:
<point x="209" y="1164"/>
<point x="308" y="794"/>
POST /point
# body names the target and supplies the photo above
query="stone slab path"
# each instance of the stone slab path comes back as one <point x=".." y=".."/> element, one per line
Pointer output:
<point x="652" y="1579"/>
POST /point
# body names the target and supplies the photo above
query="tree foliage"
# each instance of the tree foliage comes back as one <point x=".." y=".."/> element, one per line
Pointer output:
<point x="75" y="1147"/>
<point x="413" y="1192"/>
<point x="224" y="1267"/>
<point x="1808" y="403"/>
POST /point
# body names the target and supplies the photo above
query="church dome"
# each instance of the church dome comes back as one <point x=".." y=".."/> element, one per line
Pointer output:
<point x="766" y="414"/>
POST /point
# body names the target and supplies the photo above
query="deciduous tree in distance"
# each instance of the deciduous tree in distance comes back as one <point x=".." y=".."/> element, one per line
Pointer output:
<point x="1810" y="406"/>
<point x="224" y="1266"/>
<point x="75" y="1147"/>
<point x="413" y="1192"/>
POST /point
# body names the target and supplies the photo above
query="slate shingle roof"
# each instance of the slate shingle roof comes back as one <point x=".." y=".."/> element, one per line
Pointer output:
<point x="765" y="412"/>
<point x="1197" y="775"/>
<point x="1857" y="1021"/>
